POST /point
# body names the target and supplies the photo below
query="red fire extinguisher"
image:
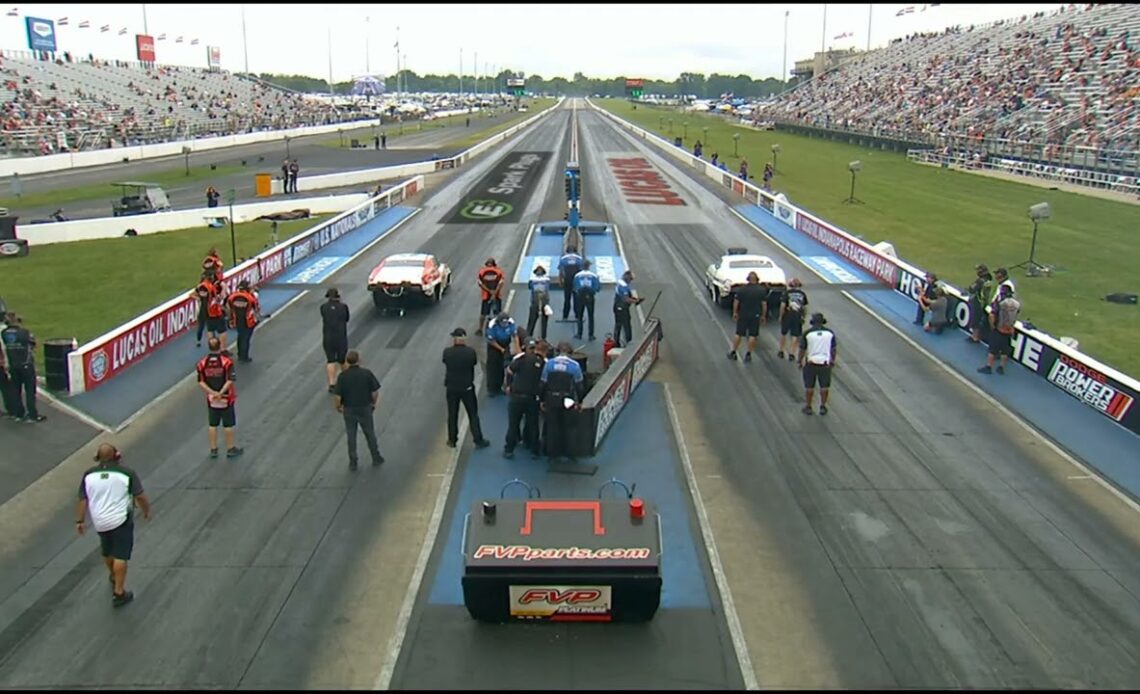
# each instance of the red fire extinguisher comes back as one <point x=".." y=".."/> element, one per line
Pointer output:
<point x="608" y="345"/>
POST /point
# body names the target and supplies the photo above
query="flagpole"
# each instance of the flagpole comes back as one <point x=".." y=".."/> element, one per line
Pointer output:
<point x="145" y="30"/>
<point x="397" y="47"/>
<point x="460" y="73"/>
<point x="367" y="64"/>
<point x="476" y="73"/>
<point x="870" y="10"/>
<point x="332" y="89"/>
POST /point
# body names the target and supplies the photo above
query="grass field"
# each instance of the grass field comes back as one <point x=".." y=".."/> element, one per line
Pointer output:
<point x="948" y="221"/>
<point x="394" y="130"/>
<point x="170" y="178"/>
<point x="85" y="288"/>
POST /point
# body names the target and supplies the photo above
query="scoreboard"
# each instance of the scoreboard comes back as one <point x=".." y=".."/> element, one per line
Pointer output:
<point x="634" y="88"/>
<point x="516" y="86"/>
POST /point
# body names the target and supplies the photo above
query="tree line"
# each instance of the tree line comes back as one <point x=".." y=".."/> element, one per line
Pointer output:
<point x="688" y="83"/>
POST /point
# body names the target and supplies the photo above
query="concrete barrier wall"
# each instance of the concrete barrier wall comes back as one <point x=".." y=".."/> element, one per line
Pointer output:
<point x="110" y="354"/>
<point x="1105" y="389"/>
<point x="113" y="227"/>
<point x="383" y="173"/>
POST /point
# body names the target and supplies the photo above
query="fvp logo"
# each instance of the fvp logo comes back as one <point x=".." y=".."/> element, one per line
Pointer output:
<point x="42" y="29"/>
<point x="485" y="209"/>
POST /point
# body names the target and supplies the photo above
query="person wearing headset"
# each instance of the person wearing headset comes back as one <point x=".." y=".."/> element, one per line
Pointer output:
<point x="109" y="492"/>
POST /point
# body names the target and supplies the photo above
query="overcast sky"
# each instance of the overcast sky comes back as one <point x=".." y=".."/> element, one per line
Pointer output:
<point x="651" y="41"/>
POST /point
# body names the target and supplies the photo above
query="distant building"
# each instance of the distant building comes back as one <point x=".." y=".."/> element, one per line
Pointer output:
<point x="820" y="63"/>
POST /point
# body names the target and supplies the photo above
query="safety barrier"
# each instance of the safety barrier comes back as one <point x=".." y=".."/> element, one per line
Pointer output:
<point x="608" y="397"/>
<point x="77" y="160"/>
<point x="114" y="227"/>
<point x="364" y="176"/>
<point x="1097" y="385"/>
<point x="110" y="354"/>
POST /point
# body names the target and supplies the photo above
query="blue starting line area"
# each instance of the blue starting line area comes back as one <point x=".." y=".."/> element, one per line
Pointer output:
<point x="1079" y="429"/>
<point x="544" y="247"/>
<point x="114" y="402"/>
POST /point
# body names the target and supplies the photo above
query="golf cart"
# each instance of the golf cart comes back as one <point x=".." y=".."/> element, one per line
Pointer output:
<point x="139" y="198"/>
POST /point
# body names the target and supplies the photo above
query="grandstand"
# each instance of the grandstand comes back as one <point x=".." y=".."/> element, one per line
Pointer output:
<point x="71" y="104"/>
<point x="1060" y="88"/>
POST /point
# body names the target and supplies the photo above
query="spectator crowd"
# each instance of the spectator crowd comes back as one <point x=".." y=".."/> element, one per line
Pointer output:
<point x="1059" y="79"/>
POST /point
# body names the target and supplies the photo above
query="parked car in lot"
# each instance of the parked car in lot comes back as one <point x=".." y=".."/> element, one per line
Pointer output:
<point x="407" y="279"/>
<point x="731" y="271"/>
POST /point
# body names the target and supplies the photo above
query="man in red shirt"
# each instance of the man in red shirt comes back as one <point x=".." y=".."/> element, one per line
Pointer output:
<point x="216" y="379"/>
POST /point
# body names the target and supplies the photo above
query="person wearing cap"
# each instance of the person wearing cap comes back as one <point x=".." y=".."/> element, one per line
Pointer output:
<point x="562" y="384"/>
<point x="539" y="285"/>
<point x="1001" y="276"/>
<point x="459" y="362"/>
<point x="925" y="296"/>
<point x="491" y="281"/>
<point x="244" y="314"/>
<point x="523" y="385"/>
<point x="792" y="311"/>
<point x="334" y="324"/>
<point x="625" y="298"/>
<point x="1003" y="325"/>
<point x="501" y="332"/>
<point x="109" y="493"/>
<point x="747" y="309"/>
<point x="980" y="292"/>
<point x="568" y="266"/>
<point x="587" y="284"/>
<point x="818" y="352"/>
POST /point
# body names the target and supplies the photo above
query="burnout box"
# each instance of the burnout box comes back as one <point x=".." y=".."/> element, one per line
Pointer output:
<point x="562" y="560"/>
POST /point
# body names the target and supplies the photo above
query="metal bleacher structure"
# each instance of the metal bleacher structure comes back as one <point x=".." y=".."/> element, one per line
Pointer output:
<point x="70" y="104"/>
<point x="1049" y="94"/>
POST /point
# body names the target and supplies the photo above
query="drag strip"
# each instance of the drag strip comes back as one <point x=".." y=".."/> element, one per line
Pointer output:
<point x="915" y="537"/>
<point x="303" y="563"/>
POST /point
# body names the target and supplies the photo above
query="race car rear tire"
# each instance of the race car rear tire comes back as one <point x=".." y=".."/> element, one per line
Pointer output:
<point x="436" y="295"/>
<point x="378" y="300"/>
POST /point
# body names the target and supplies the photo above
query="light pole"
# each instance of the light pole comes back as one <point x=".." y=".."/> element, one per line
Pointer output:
<point x="735" y="143"/>
<point x="245" y="44"/>
<point x="870" y="10"/>
<point x="460" y="73"/>
<point x="367" y="61"/>
<point x="775" y="157"/>
<point x="145" y="29"/>
<point x="685" y="130"/>
<point x="397" y="62"/>
<point x="705" y="130"/>
<point x="231" y="195"/>
<point x="784" y="75"/>
<point x="823" y="36"/>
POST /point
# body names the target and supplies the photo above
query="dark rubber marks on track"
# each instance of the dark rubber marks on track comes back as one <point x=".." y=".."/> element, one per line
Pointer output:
<point x="501" y="195"/>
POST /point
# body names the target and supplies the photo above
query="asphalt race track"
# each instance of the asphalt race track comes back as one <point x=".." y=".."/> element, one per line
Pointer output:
<point x="915" y="537"/>
<point x="314" y="158"/>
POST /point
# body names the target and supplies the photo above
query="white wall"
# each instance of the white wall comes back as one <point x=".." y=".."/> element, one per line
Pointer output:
<point x="113" y="227"/>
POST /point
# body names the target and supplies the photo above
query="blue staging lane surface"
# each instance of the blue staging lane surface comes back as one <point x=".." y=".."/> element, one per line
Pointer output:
<point x="114" y="402"/>
<point x="685" y="646"/>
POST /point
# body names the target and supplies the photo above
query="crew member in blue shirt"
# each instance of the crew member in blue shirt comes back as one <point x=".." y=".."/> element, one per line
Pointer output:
<point x="562" y="381"/>
<point x="586" y="286"/>
<point x="500" y="333"/>
<point x="539" y="286"/>
<point x="568" y="266"/>
<point x="624" y="300"/>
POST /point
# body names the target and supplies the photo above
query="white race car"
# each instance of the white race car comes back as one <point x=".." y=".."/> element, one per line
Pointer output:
<point x="722" y="278"/>
<point x="407" y="278"/>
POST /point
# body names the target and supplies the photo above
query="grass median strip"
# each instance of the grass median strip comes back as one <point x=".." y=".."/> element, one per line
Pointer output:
<point x="83" y="289"/>
<point x="947" y="221"/>
<point x="169" y="179"/>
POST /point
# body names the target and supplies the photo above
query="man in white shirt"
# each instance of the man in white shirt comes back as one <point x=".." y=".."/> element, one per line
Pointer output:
<point x="109" y="492"/>
<point x="817" y="357"/>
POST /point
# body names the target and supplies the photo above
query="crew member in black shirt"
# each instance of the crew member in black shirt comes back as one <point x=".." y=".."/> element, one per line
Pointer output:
<point x="524" y="385"/>
<point x="334" y="319"/>
<point x="459" y="381"/>
<point x="19" y="347"/>
<point x="747" y="310"/>
<point x="357" y="393"/>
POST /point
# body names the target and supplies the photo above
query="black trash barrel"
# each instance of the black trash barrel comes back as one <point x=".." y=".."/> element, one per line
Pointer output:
<point x="55" y="363"/>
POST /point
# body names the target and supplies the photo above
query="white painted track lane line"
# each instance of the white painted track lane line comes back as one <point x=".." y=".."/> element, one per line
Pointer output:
<point x="735" y="630"/>
<point x="431" y="535"/>
<point x="1093" y="474"/>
